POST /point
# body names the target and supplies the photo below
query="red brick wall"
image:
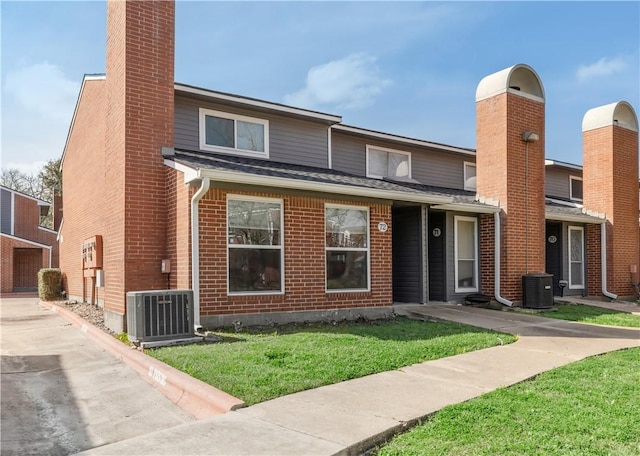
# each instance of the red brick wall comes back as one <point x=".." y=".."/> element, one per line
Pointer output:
<point x="594" y="260"/>
<point x="179" y="229"/>
<point x="38" y="259"/>
<point x="610" y="179"/>
<point x="140" y="61"/>
<point x="304" y="244"/>
<point x="501" y="171"/>
<point x="86" y="212"/>
<point x="487" y="254"/>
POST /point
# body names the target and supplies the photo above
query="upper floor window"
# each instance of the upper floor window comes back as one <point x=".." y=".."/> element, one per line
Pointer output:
<point x="388" y="163"/>
<point x="469" y="176"/>
<point x="225" y="132"/>
<point x="575" y="188"/>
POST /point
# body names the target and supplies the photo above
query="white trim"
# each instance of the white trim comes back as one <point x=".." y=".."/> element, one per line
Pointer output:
<point x="204" y="112"/>
<point x="582" y="263"/>
<point x="280" y="201"/>
<point x="299" y="184"/>
<point x="464" y="167"/>
<point x="369" y="147"/>
<point x="603" y="258"/>
<point x="571" y="179"/>
<point x="10" y="236"/>
<point x="59" y="237"/>
<point x="497" y="251"/>
<point x="456" y="219"/>
<point x="348" y="249"/>
<point x="402" y="139"/>
<point x="190" y="174"/>
<point x="577" y="218"/>
<point x="13" y="213"/>
<point x="47" y="229"/>
<point x="256" y="103"/>
<point x="564" y="203"/>
<point x="329" y="151"/>
<point x="466" y="207"/>
<point x="549" y="162"/>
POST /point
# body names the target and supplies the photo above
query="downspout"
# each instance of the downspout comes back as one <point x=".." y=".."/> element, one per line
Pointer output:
<point x="603" y="252"/>
<point x="195" y="250"/>
<point x="497" y="238"/>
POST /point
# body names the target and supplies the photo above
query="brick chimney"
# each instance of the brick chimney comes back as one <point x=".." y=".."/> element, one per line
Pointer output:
<point x="140" y="92"/>
<point x="610" y="181"/>
<point x="510" y="123"/>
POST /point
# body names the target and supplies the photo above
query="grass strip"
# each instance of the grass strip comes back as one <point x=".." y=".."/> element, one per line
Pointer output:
<point x="592" y="314"/>
<point x="585" y="408"/>
<point x="260" y="364"/>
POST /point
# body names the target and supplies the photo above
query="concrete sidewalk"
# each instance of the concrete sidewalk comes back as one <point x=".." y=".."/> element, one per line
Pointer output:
<point x="62" y="393"/>
<point x="353" y="416"/>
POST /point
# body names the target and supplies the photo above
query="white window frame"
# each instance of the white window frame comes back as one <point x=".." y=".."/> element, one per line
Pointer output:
<point x="348" y="249"/>
<point x="582" y="264"/>
<point x="235" y="197"/>
<point x="391" y="151"/>
<point x="465" y="166"/>
<point x="235" y="117"/>
<point x="571" y="197"/>
<point x="456" y="219"/>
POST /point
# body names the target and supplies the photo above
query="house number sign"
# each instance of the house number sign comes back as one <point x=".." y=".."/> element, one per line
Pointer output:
<point x="382" y="227"/>
<point x="553" y="239"/>
<point x="436" y="232"/>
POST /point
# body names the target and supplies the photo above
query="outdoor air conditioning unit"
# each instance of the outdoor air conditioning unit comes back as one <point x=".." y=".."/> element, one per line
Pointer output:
<point x="160" y="317"/>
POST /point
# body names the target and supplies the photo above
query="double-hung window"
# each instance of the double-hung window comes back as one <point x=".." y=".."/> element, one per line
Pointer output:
<point x="254" y="245"/>
<point x="232" y="133"/>
<point x="383" y="163"/>
<point x="576" y="257"/>
<point x="466" y="254"/>
<point x="469" y="176"/>
<point x="575" y="188"/>
<point x="347" y="248"/>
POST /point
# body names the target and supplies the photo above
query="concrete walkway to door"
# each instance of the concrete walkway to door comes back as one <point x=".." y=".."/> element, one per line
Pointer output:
<point x="353" y="416"/>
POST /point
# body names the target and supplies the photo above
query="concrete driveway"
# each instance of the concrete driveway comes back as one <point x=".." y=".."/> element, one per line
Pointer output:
<point x="62" y="393"/>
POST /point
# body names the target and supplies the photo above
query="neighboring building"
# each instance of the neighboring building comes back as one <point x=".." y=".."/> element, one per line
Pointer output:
<point x="26" y="246"/>
<point x="273" y="213"/>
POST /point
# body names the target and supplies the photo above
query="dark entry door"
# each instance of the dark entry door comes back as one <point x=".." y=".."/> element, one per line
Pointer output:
<point x="437" y="263"/>
<point x="407" y="254"/>
<point x="554" y="254"/>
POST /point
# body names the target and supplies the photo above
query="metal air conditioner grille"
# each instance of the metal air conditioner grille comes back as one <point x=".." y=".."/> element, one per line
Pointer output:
<point x="159" y="315"/>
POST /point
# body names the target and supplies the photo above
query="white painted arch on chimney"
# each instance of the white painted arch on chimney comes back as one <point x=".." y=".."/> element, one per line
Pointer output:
<point x="519" y="79"/>
<point x="620" y="114"/>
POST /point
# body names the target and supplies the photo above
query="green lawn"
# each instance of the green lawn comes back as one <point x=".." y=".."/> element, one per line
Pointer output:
<point x="260" y="364"/>
<point x="586" y="408"/>
<point x="591" y="314"/>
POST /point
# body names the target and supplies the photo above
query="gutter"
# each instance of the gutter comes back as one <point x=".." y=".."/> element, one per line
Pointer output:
<point x="603" y="253"/>
<point x="497" y="231"/>
<point x="195" y="250"/>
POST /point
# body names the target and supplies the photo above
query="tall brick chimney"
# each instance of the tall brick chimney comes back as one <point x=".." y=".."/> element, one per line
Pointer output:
<point x="610" y="181"/>
<point x="510" y="128"/>
<point x="140" y="92"/>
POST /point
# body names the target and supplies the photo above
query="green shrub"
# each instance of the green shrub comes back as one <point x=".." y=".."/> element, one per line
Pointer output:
<point x="49" y="283"/>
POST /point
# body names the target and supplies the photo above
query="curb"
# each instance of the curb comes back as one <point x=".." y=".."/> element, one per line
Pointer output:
<point x="192" y="395"/>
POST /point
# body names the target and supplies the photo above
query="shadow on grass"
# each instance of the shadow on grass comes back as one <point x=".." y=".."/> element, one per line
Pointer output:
<point x="400" y="329"/>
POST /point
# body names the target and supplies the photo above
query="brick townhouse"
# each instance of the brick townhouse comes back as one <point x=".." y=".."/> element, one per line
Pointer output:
<point x="26" y="246"/>
<point x="276" y="213"/>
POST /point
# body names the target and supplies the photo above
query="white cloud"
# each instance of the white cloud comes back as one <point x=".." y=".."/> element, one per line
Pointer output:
<point x="603" y="67"/>
<point x="349" y="83"/>
<point x="37" y="105"/>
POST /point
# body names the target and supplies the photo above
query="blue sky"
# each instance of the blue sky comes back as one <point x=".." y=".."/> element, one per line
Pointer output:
<point x="408" y="68"/>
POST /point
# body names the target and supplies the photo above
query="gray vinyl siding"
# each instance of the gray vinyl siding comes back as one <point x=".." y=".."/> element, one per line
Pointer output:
<point x="6" y="201"/>
<point x="557" y="182"/>
<point x="428" y="166"/>
<point x="290" y="140"/>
